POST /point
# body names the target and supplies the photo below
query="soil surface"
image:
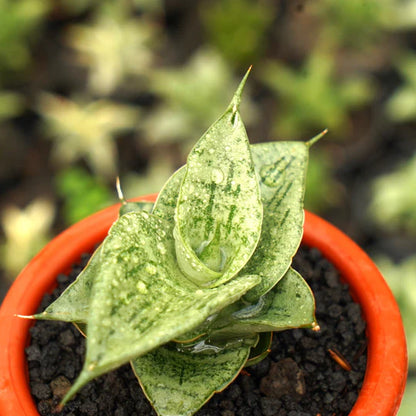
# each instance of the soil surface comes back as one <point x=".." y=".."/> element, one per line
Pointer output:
<point x="307" y="373"/>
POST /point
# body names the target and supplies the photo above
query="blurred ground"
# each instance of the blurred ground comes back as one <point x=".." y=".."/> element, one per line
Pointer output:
<point x="94" y="89"/>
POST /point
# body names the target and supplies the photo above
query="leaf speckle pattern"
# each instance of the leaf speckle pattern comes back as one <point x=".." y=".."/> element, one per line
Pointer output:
<point x="188" y="288"/>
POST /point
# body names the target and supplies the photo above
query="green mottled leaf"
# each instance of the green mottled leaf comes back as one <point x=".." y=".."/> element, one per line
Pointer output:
<point x="186" y="288"/>
<point x="128" y="206"/>
<point x="165" y="205"/>
<point x="281" y="168"/>
<point x="74" y="303"/>
<point x="261" y="350"/>
<point x="141" y="299"/>
<point x="290" y="304"/>
<point x="190" y="336"/>
<point x="178" y="383"/>
<point x="219" y="210"/>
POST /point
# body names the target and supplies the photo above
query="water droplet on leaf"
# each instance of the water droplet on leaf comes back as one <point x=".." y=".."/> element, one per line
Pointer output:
<point x="141" y="287"/>
<point x="217" y="176"/>
<point x="151" y="269"/>
<point x="161" y="248"/>
<point x="269" y="176"/>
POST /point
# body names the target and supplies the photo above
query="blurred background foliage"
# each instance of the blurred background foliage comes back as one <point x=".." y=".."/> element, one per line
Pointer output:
<point x="91" y="90"/>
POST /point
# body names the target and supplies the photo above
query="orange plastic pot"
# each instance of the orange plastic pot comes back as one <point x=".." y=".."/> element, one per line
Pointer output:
<point x="386" y="371"/>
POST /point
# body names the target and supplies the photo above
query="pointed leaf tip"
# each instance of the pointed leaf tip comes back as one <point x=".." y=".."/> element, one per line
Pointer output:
<point x="235" y="103"/>
<point x="24" y="316"/>
<point x="80" y="382"/>
<point x="316" y="138"/>
<point x="316" y="327"/>
<point x="119" y="191"/>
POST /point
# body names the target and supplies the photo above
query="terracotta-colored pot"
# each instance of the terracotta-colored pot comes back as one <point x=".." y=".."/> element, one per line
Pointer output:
<point x="386" y="370"/>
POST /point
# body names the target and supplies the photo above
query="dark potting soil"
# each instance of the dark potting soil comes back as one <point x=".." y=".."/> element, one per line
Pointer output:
<point x="307" y="373"/>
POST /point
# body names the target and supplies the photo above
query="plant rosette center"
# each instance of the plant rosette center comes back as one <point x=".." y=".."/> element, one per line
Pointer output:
<point x="189" y="289"/>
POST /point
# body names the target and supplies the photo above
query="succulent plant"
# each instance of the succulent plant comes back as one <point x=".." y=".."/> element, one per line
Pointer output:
<point x="189" y="290"/>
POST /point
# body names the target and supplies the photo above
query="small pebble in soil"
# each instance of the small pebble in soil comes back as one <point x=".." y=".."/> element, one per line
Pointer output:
<point x="298" y="378"/>
<point x="285" y="377"/>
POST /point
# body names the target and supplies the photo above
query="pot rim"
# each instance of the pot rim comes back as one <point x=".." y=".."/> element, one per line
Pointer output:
<point x="386" y="371"/>
<point x="387" y="361"/>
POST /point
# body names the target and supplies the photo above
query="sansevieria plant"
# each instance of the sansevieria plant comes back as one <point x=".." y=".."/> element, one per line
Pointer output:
<point x="190" y="289"/>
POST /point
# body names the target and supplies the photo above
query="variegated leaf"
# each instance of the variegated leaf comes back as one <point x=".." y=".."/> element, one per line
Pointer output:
<point x="261" y="350"/>
<point x="128" y="206"/>
<point x="281" y="168"/>
<point x="178" y="383"/>
<point x="219" y="210"/>
<point x="165" y="205"/>
<point x="74" y="303"/>
<point x="290" y="304"/>
<point x="141" y="299"/>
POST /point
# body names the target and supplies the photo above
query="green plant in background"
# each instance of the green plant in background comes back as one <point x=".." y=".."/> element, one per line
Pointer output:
<point x="116" y="47"/>
<point x="407" y="407"/>
<point x="149" y="5"/>
<point x="322" y="190"/>
<point x="354" y="23"/>
<point x="86" y="130"/>
<point x="190" y="286"/>
<point x="402" y="281"/>
<point x="26" y="231"/>
<point x="191" y="96"/>
<point x="11" y="105"/>
<point x="238" y="28"/>
<point x="393" y="203"/>
<point x="314" y="95"/>
<point x="20" y="21"/>
<point x="82" y="194"/>
<point x="73" y="7"/>
<point x="401" y="106"/>
<point x="78" y="6"/>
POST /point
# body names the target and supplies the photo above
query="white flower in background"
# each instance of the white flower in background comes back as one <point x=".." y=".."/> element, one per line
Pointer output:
<point x="86" y="130"/>
<point x="26" y="231"/>
<point x="115" y="46"/>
